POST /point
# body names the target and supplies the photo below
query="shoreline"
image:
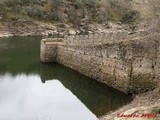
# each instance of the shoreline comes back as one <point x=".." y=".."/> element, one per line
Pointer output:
<point x="34" y="28"/>
<point x="143" y="104"/>
<point x="5" y="35"/>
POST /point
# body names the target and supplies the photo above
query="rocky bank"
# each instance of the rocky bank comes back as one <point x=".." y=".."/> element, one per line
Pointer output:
<point x="144" y="107"/>
<point x="24" y="27"/>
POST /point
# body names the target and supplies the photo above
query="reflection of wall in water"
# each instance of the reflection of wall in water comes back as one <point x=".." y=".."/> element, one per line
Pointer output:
<point x="96" y="96"/>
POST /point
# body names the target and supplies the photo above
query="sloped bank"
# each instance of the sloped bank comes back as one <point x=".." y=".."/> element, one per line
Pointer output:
<point x="130" y="65"/>
<point x="145" y="106"/>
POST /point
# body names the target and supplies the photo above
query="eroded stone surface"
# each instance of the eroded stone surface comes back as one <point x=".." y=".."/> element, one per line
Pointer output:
<point x="130" y="66"/>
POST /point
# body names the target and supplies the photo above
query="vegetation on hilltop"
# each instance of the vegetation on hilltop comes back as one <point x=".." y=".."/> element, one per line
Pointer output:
<point x="72" y="11"/>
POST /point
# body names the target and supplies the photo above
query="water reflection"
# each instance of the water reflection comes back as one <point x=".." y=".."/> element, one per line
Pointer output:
<point x="99" y="98"/>
<point x="65" y="94"/>
<point x="25" y="98"/>
<point x="19" y="55"/>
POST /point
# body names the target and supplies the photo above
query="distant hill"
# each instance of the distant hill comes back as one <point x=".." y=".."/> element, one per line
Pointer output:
<point x="77" y="11"/>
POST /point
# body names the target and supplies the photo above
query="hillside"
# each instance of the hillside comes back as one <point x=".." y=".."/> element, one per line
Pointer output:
<point x="67" y="10"/>
<point x="76" y="16"/>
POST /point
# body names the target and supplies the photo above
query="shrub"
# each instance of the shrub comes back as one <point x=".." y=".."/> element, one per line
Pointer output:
<point x="130" y="16"/>
<point x="36" y="11"/>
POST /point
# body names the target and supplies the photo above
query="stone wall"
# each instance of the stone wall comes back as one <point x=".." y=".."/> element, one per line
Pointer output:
<point x="113" y="36"/>
<point x="127" y="62"/>
<point x="48" y="49"/>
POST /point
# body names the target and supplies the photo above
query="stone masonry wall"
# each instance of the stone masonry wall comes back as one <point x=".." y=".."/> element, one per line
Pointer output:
<point x="48" y="49"/>
<point x="127" y="62"/>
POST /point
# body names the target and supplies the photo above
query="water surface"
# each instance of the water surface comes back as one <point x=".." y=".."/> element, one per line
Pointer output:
<point x="30" y="90"/>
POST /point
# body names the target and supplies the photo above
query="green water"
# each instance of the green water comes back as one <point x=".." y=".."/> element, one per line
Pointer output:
<point x="30" y="90"/>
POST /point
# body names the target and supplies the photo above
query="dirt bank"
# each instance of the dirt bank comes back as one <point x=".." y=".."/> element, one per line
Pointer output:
<point x="31" y="28"/>
<point x="144" y="107"/>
